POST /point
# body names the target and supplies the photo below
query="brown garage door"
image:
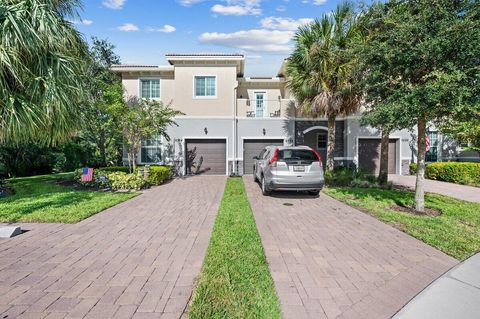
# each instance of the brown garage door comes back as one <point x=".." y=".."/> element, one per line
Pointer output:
<point x="369" y="155"/>
<point x="205" y="156"/>
<point x="252" y="148"/>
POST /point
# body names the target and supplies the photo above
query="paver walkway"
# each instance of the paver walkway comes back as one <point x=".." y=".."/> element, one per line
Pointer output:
<point x="329" y="260"/>
<point x="464" y="192"/>
<point x="138" y="259"/>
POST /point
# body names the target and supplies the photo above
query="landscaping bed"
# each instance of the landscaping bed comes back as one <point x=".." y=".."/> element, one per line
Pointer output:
<point x="450" y="225"/>
<point x="235" y="281"/>
<point x="54" y="199"/>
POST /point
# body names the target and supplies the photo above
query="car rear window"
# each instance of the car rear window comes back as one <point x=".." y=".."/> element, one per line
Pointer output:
<point x="297" y="155"/>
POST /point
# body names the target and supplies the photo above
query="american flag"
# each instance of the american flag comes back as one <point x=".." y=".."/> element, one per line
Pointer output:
<point x="87" y="174"/>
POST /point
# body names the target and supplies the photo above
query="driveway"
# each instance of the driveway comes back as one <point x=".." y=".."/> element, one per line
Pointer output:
<point x="463" y="192"/>
<point x="329" y="260"/>
<point x="138" y="259"/>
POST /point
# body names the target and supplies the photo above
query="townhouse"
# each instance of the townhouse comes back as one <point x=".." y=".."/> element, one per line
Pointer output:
<point x="229" y="118"/>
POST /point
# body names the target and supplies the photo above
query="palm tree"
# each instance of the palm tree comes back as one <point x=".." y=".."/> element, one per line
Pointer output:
<point x="43" y="62"/>
<point x="320" y="70"/>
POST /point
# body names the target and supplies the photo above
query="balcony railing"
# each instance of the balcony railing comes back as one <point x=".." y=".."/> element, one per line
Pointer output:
<point x="270" y="109"/>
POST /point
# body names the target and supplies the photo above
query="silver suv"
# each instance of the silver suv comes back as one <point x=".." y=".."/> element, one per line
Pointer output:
<point x="289" y="168"/>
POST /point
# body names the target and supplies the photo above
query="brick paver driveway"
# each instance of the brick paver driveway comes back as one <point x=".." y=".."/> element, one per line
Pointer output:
<point x="329" y="260"/>
<point x="138" y="259"/>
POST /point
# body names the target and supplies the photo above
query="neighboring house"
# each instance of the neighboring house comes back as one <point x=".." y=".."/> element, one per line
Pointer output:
<point x="229" y="118"/>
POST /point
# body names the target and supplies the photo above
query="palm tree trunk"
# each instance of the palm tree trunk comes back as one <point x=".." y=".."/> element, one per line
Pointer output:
<point x="331" y="142"/>
<point x="383" y="174"/>
<point x="419" y="187"/>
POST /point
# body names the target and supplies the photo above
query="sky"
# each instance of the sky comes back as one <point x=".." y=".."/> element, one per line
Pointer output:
<point x="143" y="31"/>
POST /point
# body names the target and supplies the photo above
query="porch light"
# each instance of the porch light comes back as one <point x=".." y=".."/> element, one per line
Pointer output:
<point x="205" y="130"/>
<point x="264" y="131"/>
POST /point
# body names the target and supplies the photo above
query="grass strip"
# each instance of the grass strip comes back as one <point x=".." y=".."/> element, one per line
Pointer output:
<point x="456" y="231"/>
<point x="41" y="199"/>
<point x="235" y="281"/>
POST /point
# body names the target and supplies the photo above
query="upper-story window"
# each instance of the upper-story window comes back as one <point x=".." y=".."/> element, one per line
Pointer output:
<point x="150" y="89"/>
<point x="205" y="86"/>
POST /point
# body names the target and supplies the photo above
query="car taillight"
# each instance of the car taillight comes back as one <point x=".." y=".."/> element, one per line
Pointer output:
<point x="318" y="156"/>
<point x="273" y="161"/>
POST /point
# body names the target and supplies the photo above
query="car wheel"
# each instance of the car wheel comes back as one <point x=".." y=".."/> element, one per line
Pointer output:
<point x="265" y="190"/>
<point x="255" y="179"/>
<point x="314" y="193"/>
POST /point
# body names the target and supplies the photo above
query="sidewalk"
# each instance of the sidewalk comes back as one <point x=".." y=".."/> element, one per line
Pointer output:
<point x="454" y="295"/>
<point x="463" y="192"/>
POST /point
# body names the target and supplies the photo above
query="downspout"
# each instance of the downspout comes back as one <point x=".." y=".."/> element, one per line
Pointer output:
<point x="235" y="124"/>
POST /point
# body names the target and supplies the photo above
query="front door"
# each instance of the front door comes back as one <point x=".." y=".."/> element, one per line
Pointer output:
<point x="259" y="104"/>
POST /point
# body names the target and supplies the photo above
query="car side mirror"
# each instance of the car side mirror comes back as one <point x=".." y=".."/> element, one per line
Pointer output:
<point x="255" y="157"/>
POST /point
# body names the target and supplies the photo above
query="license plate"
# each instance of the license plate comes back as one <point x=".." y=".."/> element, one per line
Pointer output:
<point x="299" y="168"/>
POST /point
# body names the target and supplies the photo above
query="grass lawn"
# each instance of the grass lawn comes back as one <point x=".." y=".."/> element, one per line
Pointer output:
<point x="456" y="231"/>
<point x="41" y="199"/>
<point x="235" y="281"/>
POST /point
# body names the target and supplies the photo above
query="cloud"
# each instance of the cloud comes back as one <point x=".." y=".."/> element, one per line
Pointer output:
<point x="128" y="27"/>
<point x="114" y="4"/>
<point x="281" y="9"/>
<point x="279" y="23"/>
<point x="187" y="3"/>
<point x="256" y="40"/>
<point x="238" y="7"/>
<point x="319" y="2"/>
<point x="165" y="29"/>
<point x="235" y="10"/>
<point x="82" y="22"/>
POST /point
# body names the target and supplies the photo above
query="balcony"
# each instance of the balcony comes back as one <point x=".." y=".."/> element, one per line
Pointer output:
<point x="265" y="108"/>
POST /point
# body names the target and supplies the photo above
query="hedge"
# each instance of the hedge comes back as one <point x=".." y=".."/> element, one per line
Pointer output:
<point x="454" y="172"/>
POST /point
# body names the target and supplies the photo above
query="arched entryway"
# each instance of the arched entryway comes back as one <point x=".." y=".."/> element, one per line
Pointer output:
<point x="317" y="138"/>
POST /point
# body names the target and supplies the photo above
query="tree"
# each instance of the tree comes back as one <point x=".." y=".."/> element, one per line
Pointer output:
<point x="424" y="56"/>
<point x="145" y="119"/>
<point x="43" y="62"/>
<point x="106" y="105"/>
<point x="320" y="70"/>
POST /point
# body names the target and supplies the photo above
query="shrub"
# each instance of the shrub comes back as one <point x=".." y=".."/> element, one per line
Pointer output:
<point x="100" y="179"/>
<point x="454" y="172"/>
<point x="344" y="176"/>
<point x="113" y="169"/>
<point x="124" y="181"/>
<point x="159" y="174"/>
<point x="413" y="168"/>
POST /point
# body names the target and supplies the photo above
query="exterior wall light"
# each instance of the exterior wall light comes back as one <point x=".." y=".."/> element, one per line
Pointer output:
<point x="205" y="130"/>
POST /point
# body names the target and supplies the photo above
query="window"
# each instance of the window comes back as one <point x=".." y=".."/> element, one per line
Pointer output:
<point x="205" y="86"/>
<point x="322" y="140"/>
<point x="295" y="155"/>
<point x="432" y="154"/>
<point x="150" y="88"/>
<point x="151" y="151"/>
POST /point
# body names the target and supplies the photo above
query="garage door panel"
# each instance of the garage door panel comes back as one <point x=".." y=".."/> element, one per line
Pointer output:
<point x="369" y="155"/>
<point x="253" y="147"/>
<point x="206" y="156"/>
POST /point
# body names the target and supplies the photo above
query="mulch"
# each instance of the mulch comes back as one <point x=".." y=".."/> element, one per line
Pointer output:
<point x="411" y="210"/>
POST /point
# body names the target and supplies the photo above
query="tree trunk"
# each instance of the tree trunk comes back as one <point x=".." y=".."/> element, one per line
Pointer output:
<point x="383" y="174"/>
<point x="419" y="187"/>
<point x="331" y="142"/>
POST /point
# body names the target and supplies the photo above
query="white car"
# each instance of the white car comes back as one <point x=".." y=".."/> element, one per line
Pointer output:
<point x="296" y="168"/>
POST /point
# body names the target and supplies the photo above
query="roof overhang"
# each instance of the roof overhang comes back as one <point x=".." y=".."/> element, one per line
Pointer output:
<point x="209" y="59"/>
<point x="130" y="68"/>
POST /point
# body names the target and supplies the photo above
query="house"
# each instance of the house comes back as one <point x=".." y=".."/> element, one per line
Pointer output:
<point x="229" y="118"/>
